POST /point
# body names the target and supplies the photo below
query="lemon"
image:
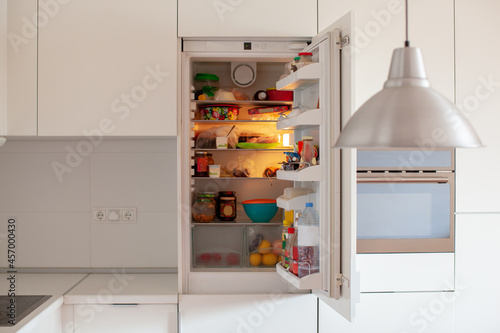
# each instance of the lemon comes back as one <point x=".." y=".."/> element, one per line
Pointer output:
<point x="269" y="259"/>
<point x="255" y="259"/>
<point x="264" y="247"/>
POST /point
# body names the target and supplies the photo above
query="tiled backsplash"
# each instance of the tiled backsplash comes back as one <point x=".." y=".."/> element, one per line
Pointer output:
<point x="51" y="186"/>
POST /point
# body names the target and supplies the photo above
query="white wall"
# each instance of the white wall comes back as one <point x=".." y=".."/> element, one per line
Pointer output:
<point x="54" y="212"/>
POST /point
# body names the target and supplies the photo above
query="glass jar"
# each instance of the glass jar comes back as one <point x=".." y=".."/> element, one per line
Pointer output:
<point x="200" y="164"/>
<point x="203" y="210"/>
<point x="210" y="159"/>
<point x="305" y="59"/>
<point x="307" y="150"/>
<point x="226" y="206"/>
<point x="206" y="85"/>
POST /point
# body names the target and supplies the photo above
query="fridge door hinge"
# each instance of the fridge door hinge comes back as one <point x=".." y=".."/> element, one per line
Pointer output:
<point x="344" y="41"/>
<point x="341" y="280"/>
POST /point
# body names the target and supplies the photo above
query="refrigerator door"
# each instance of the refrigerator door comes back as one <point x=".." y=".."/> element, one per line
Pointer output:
<point x="343" y="284"/>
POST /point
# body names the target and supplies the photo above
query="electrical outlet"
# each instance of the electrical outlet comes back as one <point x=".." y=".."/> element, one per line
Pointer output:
<point x="129" y="214"/>
<point x="114" y="215"/>
<point x="100" y="214"/>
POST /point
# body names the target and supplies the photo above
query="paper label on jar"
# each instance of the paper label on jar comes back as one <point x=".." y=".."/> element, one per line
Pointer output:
<point x="202" y="164"/>
<point x="227" y="211"/>
<point x="308" y="235"/>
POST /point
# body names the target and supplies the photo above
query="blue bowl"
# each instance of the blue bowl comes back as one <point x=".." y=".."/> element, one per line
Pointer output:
<point x="260" y="210"/>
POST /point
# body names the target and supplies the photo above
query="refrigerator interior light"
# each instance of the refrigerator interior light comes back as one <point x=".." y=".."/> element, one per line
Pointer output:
<point x="286" y="140"/>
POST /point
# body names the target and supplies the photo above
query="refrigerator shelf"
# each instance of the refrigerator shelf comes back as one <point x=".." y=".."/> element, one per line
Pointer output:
<point x="234" y="178"/>
<point x="236" y="223"/>
<point x="304" y="120"/>
<point x="243" y="150"/>
<point x="312" y="173"/>
<point x="313" y="281"/>
<point x="219" y="122"/>
<point x="244" y="103"/>
<point x="305" y="77"/>
<point x="297" y="203"/>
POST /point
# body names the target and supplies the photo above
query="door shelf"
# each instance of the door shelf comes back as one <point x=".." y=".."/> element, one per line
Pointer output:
<point x="305" y="77"/>
<point x="304" y="120"/>
<point x="313" y="281"/>
<point x="312" y="173"/>
<point x="297" y="203"/>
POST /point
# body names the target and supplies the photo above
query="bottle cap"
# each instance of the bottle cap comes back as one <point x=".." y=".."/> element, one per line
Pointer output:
<point x="296" y="58"/>
<point x="305" y="53"/>
<point x="291" y="230"/>
<point x="309" y="204"/>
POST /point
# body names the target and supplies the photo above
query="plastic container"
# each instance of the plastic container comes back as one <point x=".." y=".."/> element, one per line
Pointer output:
<point x="260" y="210"/>
<point x="217" y="245"/>
<point x="219" y="112"/>
<point x="206" y="85"/>
<point x="279" y="95"/>
<point x="308" y="241"/>
<point x="264" y="245"/>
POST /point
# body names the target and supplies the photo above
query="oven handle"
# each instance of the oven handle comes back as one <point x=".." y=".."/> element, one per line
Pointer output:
<point x="403" y="180"/>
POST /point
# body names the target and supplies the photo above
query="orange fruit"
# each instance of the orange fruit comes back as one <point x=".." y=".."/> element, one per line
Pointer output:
<point x="264" y="247"/>
<point x="255" y="259"/>
<point x="269" y="259"/>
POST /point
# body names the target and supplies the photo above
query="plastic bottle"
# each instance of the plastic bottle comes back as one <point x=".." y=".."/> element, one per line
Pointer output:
<point x="291" y="250"/>
<point x="308" y="241"/>
<point x="285" y="236"/>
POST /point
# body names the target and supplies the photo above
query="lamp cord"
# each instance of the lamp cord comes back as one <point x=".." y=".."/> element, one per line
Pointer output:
<point x="407" y="42"/>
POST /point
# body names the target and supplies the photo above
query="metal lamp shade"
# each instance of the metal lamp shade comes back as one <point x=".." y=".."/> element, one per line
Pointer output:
<point x="407" y="113"/>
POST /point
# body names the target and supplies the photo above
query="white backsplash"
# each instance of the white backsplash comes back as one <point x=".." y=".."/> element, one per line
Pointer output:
<point x="51" y="186"/>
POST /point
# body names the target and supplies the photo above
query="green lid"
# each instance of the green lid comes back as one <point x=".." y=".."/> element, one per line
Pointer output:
<point x="205" y="76"/>
<point x="296" y="58"/>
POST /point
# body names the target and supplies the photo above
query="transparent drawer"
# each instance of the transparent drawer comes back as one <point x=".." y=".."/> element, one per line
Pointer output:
<point x="263" y="245"/>
<point x="217" y="246"/>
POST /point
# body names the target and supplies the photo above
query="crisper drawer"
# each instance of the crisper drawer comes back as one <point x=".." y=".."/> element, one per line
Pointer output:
<point x="229" y="245"/>
<point x="399" y="159"/>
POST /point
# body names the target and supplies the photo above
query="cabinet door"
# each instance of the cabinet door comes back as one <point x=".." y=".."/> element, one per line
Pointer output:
<point x="477" y="271"/>
<point x="100" y="318"/>
<point x="380" y="29"/>
<point x="430" y="312"/>
<point x="256" y="18"/>
<point x="248" y="313"/>
<point x="478" y="96"/>
<point x="107" y="68"/>
<point x="18" y="66"/>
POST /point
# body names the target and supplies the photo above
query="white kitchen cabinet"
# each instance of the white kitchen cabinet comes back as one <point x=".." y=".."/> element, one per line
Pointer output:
<point x="124" y="318"/>
<point x="263" y="313"/>
<point x="430" y="312"/>
<point x="107" y="68"/>
<point x="18" y="67"/>
<point x="478" y="96"/>
<point x="477" y="271"/>
<point x="51" y="322"/>
<point x="380" y="29"/>
<point x="256" y="18"/>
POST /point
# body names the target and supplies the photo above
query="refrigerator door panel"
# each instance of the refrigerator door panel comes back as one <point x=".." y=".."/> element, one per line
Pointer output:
<point x="343" y="283"/>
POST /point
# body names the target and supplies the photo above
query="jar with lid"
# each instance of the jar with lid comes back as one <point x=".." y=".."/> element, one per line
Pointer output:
<point x="226" y="206"/>
<point x="210" y="160"/>
<point x="307" y="153"/>
<point x="203" y="210"/>
<point x="294" y="63"/>
<point x="206" y="85"/>
<point x="200" y="164"/>
<point x="305" y="59"/>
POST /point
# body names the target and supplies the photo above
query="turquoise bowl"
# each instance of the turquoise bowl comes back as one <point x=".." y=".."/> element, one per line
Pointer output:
<point x="260" y="210"/>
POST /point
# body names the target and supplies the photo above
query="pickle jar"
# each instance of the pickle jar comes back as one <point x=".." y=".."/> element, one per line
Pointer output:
<point x="226" y="206"/>
<point x="203" y="210"/>
<point x="201" y="164"/>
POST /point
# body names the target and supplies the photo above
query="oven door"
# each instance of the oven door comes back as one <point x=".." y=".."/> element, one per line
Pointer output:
<point x="405" y="212"/>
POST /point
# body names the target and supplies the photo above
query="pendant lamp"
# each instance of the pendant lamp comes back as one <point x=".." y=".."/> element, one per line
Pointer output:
<point x="407" y="112"/>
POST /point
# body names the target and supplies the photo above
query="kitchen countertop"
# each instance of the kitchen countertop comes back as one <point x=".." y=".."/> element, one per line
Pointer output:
<point x="55" y="285"/>
<point x="88" y="289"/>
<point x="125" y="288"/>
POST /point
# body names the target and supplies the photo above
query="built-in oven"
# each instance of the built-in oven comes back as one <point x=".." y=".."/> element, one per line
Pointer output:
<point x="405" y="201"/>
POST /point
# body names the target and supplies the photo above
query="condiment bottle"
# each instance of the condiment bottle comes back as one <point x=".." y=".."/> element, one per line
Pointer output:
<point x="307" y="153"/>
<point x="200" y="164"/>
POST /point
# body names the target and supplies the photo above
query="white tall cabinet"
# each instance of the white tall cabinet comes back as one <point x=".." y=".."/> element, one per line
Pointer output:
<point x="239" y="18"/>
<point x="107" y="68"/>
<point x="18" y="67"/>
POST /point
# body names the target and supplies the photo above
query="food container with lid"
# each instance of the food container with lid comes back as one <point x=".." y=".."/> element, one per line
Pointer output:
<point x="279" y="95"/>
<point x="219" y="112"/>
<point x="206" y="85"/>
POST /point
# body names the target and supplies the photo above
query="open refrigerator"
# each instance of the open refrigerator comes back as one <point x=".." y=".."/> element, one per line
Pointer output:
<point x="214" y="257"/>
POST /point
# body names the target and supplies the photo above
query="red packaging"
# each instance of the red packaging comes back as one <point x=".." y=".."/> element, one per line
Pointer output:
<point x="279" y="95"/>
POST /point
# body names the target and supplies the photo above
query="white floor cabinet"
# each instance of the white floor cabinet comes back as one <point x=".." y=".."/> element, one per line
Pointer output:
<point x="107" y="68"/>
<point x="248" y="313"/>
